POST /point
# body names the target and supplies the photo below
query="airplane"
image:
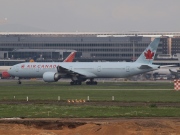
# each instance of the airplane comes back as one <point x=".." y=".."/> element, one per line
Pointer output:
<point x="176" y="74"/>
<point x="81" y="71"/>
<point x="163" y="72"/>
<point x="5" y="74"/>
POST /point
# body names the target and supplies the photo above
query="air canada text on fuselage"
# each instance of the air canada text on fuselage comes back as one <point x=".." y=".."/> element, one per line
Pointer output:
<point x="39" y="66"/>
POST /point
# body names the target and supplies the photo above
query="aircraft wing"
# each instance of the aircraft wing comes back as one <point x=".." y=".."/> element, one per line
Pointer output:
<point x="172" y="72"/>
<point x="145" y="67"/>
<point x="176" y="74"/>
<point x="70" y="72"/>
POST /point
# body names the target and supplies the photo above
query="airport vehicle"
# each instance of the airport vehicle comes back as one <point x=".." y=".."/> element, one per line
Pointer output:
<point x="81" y="71"/>
<point x="5" y="74"/>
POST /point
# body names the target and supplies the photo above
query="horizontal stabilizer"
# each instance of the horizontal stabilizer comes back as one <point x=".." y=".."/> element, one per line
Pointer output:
<point x="164" y="66"/>
<point x="173" y="72"/>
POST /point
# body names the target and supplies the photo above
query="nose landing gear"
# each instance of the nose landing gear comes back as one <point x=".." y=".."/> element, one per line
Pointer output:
<point x="19" y="81"/>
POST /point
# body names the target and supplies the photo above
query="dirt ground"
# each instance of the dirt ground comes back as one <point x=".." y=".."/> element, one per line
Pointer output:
<point x="87" y="126"/>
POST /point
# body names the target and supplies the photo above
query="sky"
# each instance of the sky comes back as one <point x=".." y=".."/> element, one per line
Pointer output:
<point x="89" y="15"/>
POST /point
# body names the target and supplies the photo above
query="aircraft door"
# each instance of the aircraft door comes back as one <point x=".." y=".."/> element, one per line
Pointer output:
<point x="17" y="68"/>
<point x="37" y="69"/>
<point x="127" y="69"/>
<point x="99" y="68"/>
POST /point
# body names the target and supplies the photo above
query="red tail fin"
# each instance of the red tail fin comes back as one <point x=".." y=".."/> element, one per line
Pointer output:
<point x="70" y="58"/>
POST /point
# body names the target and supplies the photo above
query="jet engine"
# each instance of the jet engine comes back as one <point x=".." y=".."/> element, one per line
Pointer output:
<point x="51" y="77"/>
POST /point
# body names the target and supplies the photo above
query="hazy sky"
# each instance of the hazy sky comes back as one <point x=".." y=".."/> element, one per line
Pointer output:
<point x="89" y="15"/>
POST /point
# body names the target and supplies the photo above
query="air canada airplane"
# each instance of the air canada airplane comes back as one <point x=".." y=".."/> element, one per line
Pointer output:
<point x="5" y="74"/>
<point x="81" y="71"/>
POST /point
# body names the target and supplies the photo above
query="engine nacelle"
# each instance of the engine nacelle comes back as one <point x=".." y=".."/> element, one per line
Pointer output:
<point x="51" y="77"/>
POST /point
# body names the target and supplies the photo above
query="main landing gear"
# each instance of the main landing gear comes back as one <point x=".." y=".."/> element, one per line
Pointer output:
<point x="91" y="82"/>
<point x="76" y="83"/>
<point x="79" y="82"/>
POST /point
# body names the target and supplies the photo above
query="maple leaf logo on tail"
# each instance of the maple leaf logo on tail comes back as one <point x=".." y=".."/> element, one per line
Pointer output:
<point x="149" y="54"/>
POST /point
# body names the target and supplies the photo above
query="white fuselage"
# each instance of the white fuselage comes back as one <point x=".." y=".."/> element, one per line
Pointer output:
<point x="89" y="69"/>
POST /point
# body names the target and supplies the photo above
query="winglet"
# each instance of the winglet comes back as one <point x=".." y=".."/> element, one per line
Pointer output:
<point x="148" y="55"/>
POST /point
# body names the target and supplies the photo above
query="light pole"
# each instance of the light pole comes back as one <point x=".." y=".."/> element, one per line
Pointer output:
<point x="133" y="51"/>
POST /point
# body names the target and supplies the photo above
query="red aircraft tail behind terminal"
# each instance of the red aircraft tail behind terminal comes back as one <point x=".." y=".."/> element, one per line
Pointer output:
<point x="70" y="58"/>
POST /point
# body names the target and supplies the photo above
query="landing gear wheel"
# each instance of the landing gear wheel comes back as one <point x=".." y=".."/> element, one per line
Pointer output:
<point x="76" y="83"/>
<point x="91" y="83"/>
<point x="95" y="83"/>
<point x="72" y="83"/>
<point x="87" y="83"/>
<point x="79" y="82"/>
<point x="19" y="82"/>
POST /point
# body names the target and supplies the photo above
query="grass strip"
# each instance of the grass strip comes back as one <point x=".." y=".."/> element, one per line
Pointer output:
<point x="148" y="91"/>
<point x="55" y="111"/>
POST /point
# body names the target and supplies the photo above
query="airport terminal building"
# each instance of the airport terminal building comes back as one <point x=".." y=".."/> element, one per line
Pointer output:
<point x="21" y="47"/>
